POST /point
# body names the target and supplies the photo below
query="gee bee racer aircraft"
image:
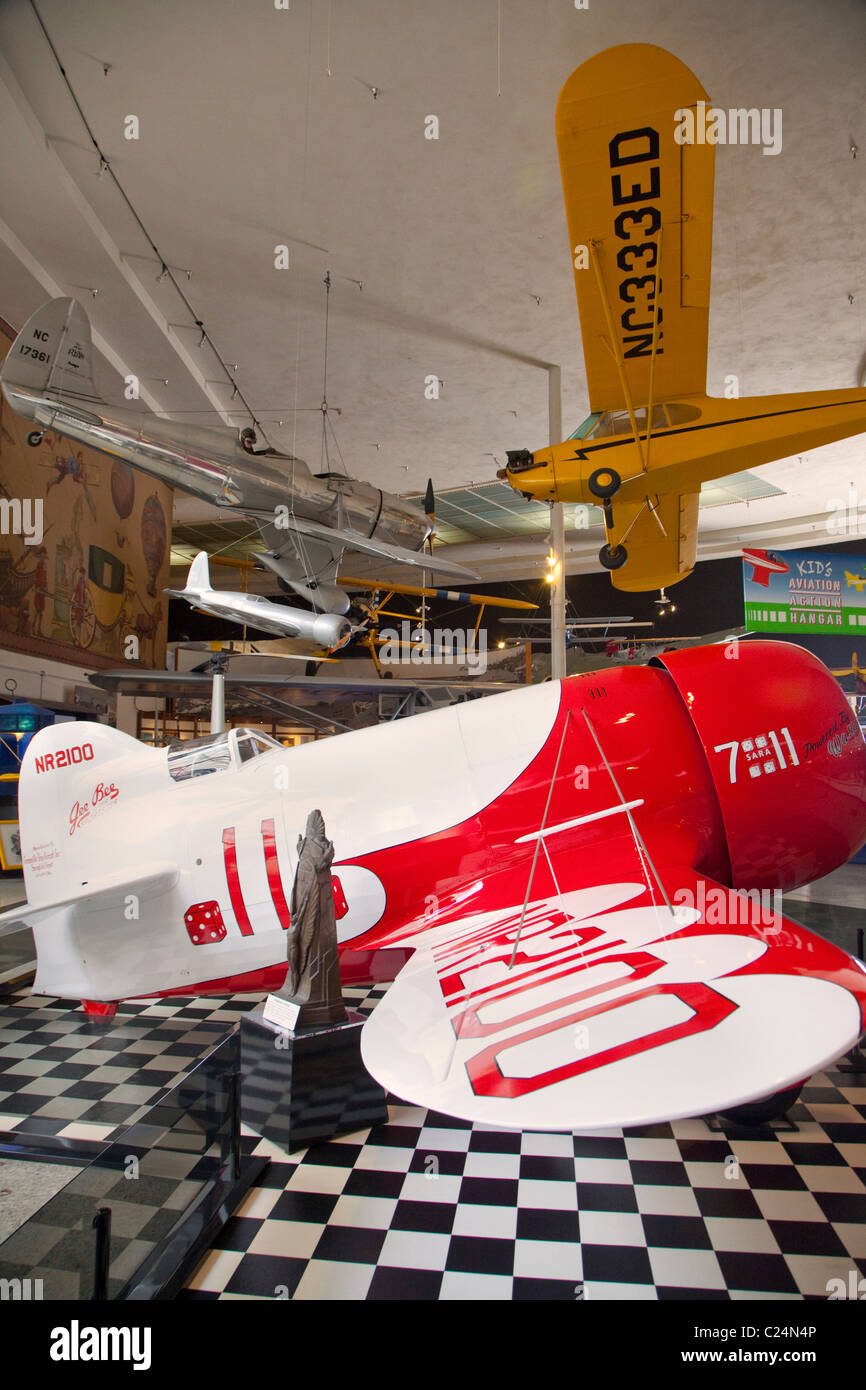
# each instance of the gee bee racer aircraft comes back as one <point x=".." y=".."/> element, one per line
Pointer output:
<point x="555" y="875"/>
<point x="306" y="521"/>
<point x="639" y="206"/>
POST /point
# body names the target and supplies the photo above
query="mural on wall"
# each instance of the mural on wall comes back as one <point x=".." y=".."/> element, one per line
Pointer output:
<point x="86" y="572"/>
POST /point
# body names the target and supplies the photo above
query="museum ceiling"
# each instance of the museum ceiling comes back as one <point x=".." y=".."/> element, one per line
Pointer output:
<point x="448" y="258"/>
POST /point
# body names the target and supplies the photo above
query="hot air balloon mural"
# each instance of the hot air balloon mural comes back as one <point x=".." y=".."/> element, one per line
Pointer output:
<point x="93" y="576"/>
<point x="154" y="539"/>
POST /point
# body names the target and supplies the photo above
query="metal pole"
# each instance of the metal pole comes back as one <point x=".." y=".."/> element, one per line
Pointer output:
<point x="218" y="703"/>
<point x="557" y="536"/>
<point x="101" y="1224"/>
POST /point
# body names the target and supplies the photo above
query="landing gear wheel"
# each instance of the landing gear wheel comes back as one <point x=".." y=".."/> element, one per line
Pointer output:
<point x="34" y="438"/>
<point x="604" y="482"/>
<point x="757" y="1112"/>
<point x="613" y="557"/>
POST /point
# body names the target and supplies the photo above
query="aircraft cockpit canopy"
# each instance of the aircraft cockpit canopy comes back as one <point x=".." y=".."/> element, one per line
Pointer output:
<point x="616" y="422"/>
<point x="225" y="752"/>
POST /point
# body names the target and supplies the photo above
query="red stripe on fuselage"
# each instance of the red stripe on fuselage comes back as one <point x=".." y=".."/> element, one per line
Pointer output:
<point x="234" y="882"/>
<point x="275" y="882"/>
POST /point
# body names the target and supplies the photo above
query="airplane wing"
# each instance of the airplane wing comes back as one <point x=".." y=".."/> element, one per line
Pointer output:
<point x="172" y="683"/>
<point x="111" y="890"/>
<point x="617" y="1010"/>
<point x="626" y="180"/>
<point x="345" y="538"/>
<point x="660" y="533"/>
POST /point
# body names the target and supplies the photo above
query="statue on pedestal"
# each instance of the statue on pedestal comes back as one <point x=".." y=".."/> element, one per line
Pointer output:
<point x="313" y="977"/>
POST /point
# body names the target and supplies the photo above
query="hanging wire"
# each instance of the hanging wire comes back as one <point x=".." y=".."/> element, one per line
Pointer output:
<point x="105" y="167"/>
<point x="325" y="454"/>
<point x="539" y="840"/>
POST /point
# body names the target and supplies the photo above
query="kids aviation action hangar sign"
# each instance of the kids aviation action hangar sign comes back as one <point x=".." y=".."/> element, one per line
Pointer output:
<point x="805" y="591"/>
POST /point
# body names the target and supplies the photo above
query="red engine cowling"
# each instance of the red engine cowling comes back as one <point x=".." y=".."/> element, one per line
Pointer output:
<point x="786" y="755"/>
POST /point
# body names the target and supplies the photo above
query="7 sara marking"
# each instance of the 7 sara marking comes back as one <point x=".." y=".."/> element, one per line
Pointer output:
<point x="65" y="757"/>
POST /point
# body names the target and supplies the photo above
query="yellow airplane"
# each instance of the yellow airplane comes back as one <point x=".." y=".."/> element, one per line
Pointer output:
<point x="855" y="670"/>
<point x="381" y="594"/>
<point x="639" y="206"/>
<point x="855" y="581"/>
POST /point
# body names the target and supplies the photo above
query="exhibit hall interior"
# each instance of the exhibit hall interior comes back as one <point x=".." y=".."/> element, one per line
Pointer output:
<point x="433" y="663"/>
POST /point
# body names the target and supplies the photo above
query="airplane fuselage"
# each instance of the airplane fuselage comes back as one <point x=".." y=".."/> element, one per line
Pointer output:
<point x="210" y="464"/>
<point x="433" y="817"/>
<point x="326" y="629"/>
<point x="726" y="436"/>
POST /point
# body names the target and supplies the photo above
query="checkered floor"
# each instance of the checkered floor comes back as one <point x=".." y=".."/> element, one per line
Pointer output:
<point x="63" y="1075"/>
<point x="428" y="1207"/>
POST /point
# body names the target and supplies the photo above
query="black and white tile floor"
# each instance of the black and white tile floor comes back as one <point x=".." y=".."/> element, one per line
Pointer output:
<point x="427" y="1207"/>
<point x="63" y="1076"/>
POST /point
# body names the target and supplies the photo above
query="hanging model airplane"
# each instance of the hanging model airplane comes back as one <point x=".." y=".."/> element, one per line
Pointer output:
<point x="559" y="889"/>
<point x="375" y="607"/>
<point x="305" y="520"/>
<point x="855" y="670"/>
<point x="639" y="205"/>
<point x="328" y="630"/>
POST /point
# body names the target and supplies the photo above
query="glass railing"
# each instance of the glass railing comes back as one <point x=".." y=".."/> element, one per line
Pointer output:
<point x="138" y="1216"/>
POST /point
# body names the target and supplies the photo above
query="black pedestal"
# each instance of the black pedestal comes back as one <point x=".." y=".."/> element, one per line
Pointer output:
<point x="305" y="1087"/>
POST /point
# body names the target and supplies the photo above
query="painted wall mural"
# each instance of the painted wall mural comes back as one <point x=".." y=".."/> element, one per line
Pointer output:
<point x="85" y="572"/>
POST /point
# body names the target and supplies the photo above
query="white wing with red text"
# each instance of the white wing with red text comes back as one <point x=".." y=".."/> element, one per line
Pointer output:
<point x="617" y="1010"/>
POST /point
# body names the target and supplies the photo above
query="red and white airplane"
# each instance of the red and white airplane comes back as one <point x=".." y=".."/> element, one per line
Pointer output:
<point x="554" y="876"/>
<point x="764" y="563"/>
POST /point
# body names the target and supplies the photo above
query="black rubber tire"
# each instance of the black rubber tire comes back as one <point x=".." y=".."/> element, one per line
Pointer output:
<point x="613" y="557"/>
<point x="34" y="438"/>
<point x="604" y="483"/>
<point x="758" y="1112"/>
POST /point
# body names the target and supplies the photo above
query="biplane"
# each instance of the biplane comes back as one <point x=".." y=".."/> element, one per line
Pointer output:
<point x="639" y="206"/>
<point x="374" y="607"/>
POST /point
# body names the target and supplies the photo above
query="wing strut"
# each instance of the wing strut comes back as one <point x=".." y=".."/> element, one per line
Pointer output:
<point x="655" y="343"/>
<point x="613" y="348"/>
<point x="643" y="853"/>
<point x="540" y="840"/>
<point x="614" y="351"/>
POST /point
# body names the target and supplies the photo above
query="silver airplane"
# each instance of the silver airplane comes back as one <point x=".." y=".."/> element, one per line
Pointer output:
<point x="305" y="520"/>
<point x="325" y="629"/>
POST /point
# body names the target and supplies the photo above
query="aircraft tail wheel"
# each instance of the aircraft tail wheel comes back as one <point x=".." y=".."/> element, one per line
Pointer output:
<point x="613" y="557"/>
<point x="34" y="438"/>
<point x="604" y="482"/>
<point x="757" y="1112"/>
